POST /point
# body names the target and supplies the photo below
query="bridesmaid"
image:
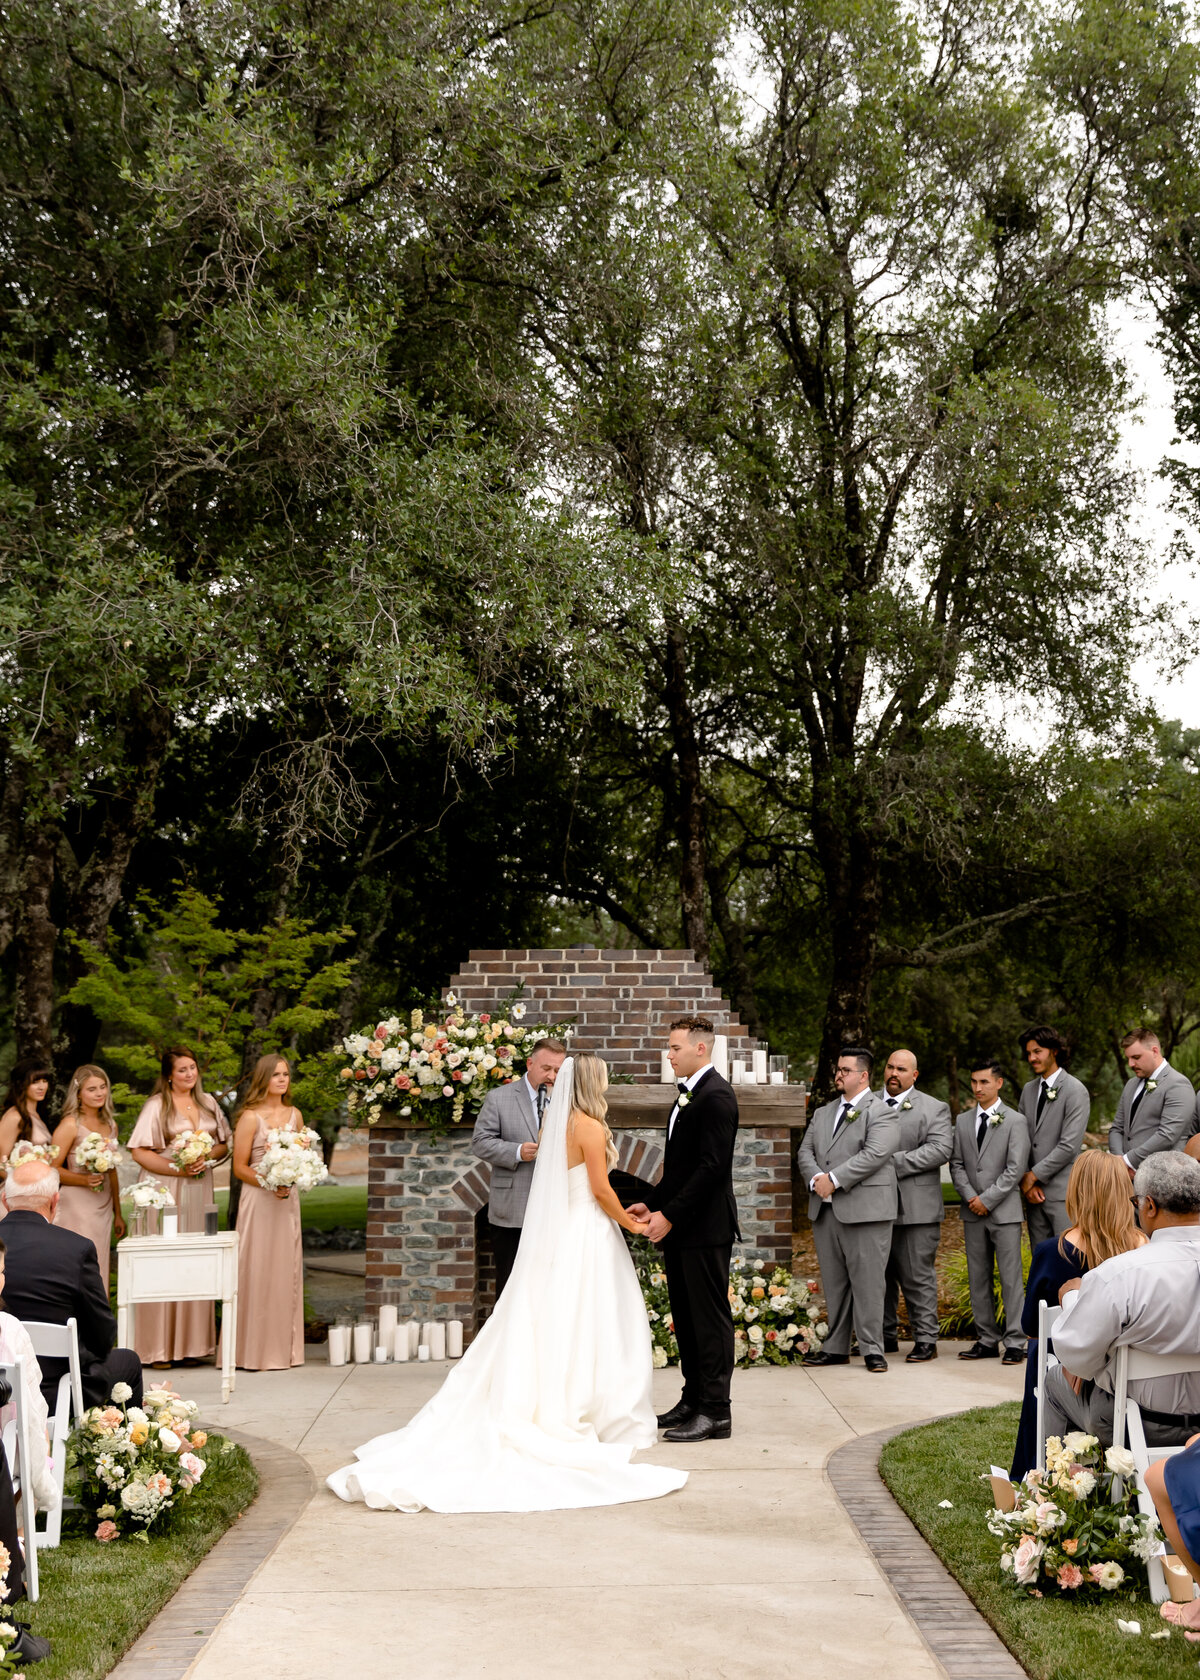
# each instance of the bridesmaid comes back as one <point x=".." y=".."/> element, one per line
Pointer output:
<point x="20" y="1121"/>
<point x="270" y="1331"/>
<point x="180" y="1330"/>
<point x="88" y="1202"/>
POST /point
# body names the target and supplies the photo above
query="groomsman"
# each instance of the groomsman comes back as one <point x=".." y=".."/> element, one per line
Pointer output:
<point x="991" y="1151"/>
<point x="926" y="1144"/>
<point x="846" y="1161"/>
<point x="1157" y="1108"/>
<point x="1056" y="1107"/>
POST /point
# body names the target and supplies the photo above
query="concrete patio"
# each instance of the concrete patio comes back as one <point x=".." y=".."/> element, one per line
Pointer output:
<point x="752" y="1570"/>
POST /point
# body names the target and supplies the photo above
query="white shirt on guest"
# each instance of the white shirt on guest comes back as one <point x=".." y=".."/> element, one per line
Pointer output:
<point x="692" y="1080"/>
<point x="1147" y="1299"/>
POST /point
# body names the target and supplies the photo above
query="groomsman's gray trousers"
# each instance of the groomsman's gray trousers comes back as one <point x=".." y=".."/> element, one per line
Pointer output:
<point x="911" y="1268"/>
<point x="989" y="1246"/>
<point x="853" y="1262"/>
<point x="1046" y="1219"/>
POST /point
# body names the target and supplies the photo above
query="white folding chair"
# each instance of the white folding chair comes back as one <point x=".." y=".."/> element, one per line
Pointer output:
<point x="19" y="1449"/>
<point x="1046" y="1319"/>
<point x="1132" y="1365"/>
<point x="59" y="1341"/>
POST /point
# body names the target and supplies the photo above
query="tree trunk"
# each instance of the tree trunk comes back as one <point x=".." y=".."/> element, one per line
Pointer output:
<point x="849" y="859"/>
<point x="689" y="800"/>
<point x="739" y="979"/>
<point x="952" y="1084"/>
<point x="36" y="938"/>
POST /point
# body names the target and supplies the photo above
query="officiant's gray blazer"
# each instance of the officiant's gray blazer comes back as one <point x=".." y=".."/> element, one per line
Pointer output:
<point x="1163" y="1120"/>
<point x="1056" y="1139"/>
<point x="994" y="1172"/>
<point x="506" y="1121"/>
<point x="926" y="1144"/>
<point x="860" y="1157"/>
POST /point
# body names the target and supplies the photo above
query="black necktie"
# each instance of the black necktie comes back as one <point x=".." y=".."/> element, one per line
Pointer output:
<point x="837" y="1124"/>
<point x="1041" y="1102"/>
<point x="682" y="1085"/>
<point x="892" y="1101"/>
<point x="1133" y="1107"/>
<point x="981" y="1130"/>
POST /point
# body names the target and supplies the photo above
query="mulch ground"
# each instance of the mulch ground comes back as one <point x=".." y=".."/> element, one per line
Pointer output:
<point x="804" y="1254"/>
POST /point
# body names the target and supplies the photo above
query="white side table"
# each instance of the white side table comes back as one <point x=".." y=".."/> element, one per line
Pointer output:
<point x="191" y="1267"/>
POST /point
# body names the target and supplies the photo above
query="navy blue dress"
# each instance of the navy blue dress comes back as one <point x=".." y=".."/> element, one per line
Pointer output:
<point x="1048" y="1271"/>
<point x="1182" y="1473"/>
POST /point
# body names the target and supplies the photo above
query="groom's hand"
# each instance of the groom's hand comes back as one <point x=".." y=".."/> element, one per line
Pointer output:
<point x="657" y="1227"/>
<point x="638" y="1210"/>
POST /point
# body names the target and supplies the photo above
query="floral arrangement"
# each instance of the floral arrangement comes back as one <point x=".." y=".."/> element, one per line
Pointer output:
<point x="147" y="1194"/>
<point x="10" y="1662"/>
<point x="774" y="1320"/>
<point x="95" y="1154"/>
<point x="292" y="1160"/>
<point x="1075" y="1526"/>
<point x="441" y="1069"/>
<point x="135" y="1462"/>
<point x="24" y="1150"/>
<point x="190" y="1148"/>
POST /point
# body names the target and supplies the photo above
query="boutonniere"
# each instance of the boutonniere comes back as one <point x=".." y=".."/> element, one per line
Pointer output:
<point x="683" y="1099"/>
<point x="1052" y="1093"/>
<point x="851" y="1114"/>
<point x="994" y="1119"/>
<point x="1152" y="1084"/>
<point x="905" y="1105"/>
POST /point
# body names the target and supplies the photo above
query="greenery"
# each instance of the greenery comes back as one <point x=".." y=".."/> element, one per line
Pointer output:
<point x="1052" y="1638"/>
<point x="96" y="1599"/>
<point x="956" y="1317"/>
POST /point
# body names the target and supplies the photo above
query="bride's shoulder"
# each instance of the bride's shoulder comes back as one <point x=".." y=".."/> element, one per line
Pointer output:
<point x="582" y="1121"/>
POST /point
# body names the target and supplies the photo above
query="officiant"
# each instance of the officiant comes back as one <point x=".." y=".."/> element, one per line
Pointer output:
<point x="506" y="1137"/>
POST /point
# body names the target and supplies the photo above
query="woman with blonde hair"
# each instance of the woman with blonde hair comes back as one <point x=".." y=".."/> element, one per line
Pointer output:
<point x="1101" y="1225"/>
<point x="180" y="1330"/>
<point x="88" y="1202"/>
<point x="552" y="1398"/>
<point x="270" y="1329"/>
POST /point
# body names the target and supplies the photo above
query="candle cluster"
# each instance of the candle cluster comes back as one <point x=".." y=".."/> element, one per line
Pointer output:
<point x="386" y="1339"/>
<point x="756" y="1067"/>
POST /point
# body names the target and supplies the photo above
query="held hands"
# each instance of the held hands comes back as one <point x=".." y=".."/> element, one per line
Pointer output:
<point x="529" y="1151"/>
<point x="653" y="1225"/>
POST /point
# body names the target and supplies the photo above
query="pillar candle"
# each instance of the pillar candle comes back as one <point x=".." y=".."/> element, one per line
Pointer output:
<point x="778" y="1079"/>
<point x="667" y="1072"/>
<point x="339" y="1336"/>
<point x="400" y="1348"/>
<point x="387" y="1323"/>
<point x="760" y="1067"/>
<point x="414" y="1338"/>
<point x="170" y="1224"/>
<point x="720" y="1055"/>
<point x="437" y="1341"/>
<point x="381" y="1354"/>
<point x="736" y="1074"/>
<point x="363" y="1338"/>
<point x="423" y="1335"/>
<point x="454" y="1338"/>
<point x="423" y="1352"/>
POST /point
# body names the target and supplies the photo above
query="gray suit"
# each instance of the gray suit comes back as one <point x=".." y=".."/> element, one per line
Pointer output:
<point x="1054" y="1144"/>
<point x="1164" y="1118"/>
<point x="853" y="1230"/>
<point x="993" y="1173"/>
<point x="926" y="1144"/>
<point x="506" y="1121"/>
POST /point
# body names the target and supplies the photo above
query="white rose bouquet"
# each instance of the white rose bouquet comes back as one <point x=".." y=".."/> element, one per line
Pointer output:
<point x="95" y="1154"/>
<point x="147" y="1194"/>
<point x="136" y="1462"/>
<point x="190" y="1148"/>
<point x="438" y="1070"/>
<point x="24" y="1150"/>
<point x="292" y="1161"/>
<point x="1075" y="1527"/>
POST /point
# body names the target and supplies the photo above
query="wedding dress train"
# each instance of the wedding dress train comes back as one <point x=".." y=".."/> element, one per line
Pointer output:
<point x="552" y="1398"/>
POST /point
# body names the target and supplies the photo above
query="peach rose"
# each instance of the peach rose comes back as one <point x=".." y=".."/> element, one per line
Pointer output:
<point x="107" y="1531"/>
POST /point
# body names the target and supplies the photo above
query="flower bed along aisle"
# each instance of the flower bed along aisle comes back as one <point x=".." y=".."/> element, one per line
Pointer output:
<point x="774" y="1320"/>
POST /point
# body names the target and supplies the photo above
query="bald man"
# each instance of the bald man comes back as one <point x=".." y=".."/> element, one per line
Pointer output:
<point x="926" y="1144"/>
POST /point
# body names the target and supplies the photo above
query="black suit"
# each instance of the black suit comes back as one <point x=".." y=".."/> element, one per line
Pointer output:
<point x="696" y="1194"/>
<point x="50" y="1275"/>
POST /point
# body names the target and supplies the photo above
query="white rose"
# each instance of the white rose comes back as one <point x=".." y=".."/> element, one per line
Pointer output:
<point x="660" y="1358"/>
<point x="136" y="1415"/>
<point x="488" y="1063"/>
<point x="122" y="1392"/>
<point x="169" y="1440"/>
<point x="389" y="1061"/>
<point x="1079" y="1443"/>
<point x="468" y="1073"/>
<point x="356" y="1045"/>
<point x="392" y="1024"/>
<point x="1120" y="1461"/>
<point x="471" y="1032"/>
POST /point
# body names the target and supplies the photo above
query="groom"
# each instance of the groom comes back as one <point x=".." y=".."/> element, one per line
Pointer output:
<point x="693" y="1215"/>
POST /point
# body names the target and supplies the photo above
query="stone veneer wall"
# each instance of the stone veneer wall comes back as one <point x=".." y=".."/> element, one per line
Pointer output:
<point x="622" y="1000"/>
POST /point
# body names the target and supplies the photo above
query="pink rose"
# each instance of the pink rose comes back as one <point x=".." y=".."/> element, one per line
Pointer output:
<point x="447" y="1090"/>
<point x="402" y="1082"/>
<point x="485" y="1018"/>
<point x="1095" y="1570"/>
<point x="381" y="1030"/>
<point x="772" y="1336"/>
<point x="1069" y="1575"/>
<point x="1027" y="1560"/>
<point x="107" y="1531"/>
<point x="373" y="1070"/>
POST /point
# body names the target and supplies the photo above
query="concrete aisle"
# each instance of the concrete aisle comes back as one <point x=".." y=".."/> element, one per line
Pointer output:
<point x="752" y="1570"/>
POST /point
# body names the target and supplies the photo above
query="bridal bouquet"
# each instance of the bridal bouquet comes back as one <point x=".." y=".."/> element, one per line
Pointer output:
<point x="440" y="1070"/>
<point x="135" y="1462"/>
<point x="147" y="1194"/>
<point x="292" y="1161"/>
<point x="1075" y="1527"/>
<point x="191" y="1147"/>
<point x="774" y="1320"/>
<point x="95" y="1154"/>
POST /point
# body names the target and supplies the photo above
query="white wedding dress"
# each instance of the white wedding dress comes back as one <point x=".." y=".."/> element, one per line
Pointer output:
<point x="552" y="1398"/>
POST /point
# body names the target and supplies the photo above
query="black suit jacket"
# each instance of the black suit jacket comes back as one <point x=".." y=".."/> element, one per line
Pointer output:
<point x="51" y="1275"/>
<point x="696" y="1188"/>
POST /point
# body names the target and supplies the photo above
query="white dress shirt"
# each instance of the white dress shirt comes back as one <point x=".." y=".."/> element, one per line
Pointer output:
<point x="692" y="1080"/>
<point x="847" y="1104"/>
<point x="1148" y="1299"/>
<point x="1157" y="1074"/>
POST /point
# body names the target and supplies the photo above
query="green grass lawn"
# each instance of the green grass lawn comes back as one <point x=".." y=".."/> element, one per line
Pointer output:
<point x="97" y="1599"/>
<point x="320" y="1209"/>
<point x="1052" y="1638"/>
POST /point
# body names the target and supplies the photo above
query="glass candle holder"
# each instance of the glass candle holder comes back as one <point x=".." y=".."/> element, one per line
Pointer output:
<point x="777" y="1067"/>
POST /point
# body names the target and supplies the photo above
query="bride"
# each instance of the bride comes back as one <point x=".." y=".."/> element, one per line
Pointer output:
<point x="552" y="1398"/>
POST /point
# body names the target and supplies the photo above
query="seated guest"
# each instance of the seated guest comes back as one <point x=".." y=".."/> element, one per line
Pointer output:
<point x="1174" y="1485"/>
<point x="1147" y="1299"/>
<point x="1100" y="1224"/>
<point x="51" y="1275"/>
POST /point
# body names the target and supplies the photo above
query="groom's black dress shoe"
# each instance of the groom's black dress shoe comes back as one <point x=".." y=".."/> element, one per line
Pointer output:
<point x="921" y="1352"/>
<point x="978" y="1350"/>
<point x="827" y="1359"/>
<point x="701" y="1428"/>
<point x="679" y="1413"/>
<point x="875" y="1362"/>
